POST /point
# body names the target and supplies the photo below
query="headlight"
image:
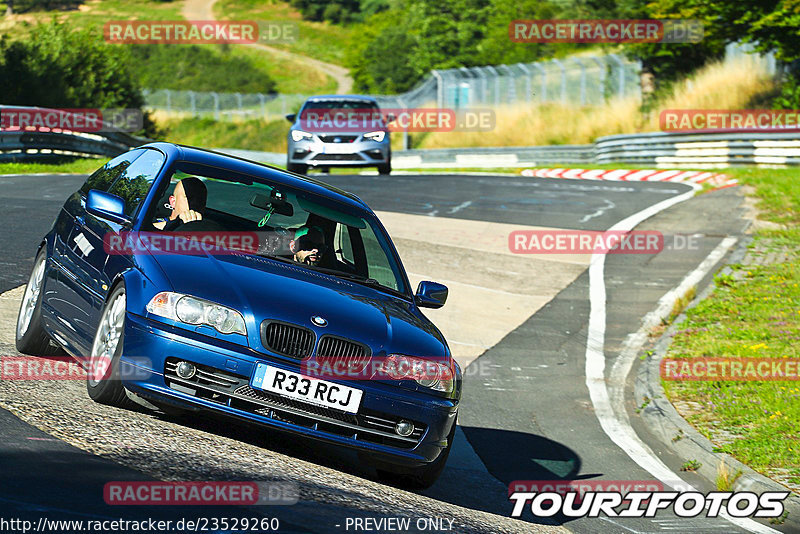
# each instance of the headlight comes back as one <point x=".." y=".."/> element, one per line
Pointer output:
<point x="375" y="136"/>
<point x="428" y="373"/>
<point x="191" y="310"/>
<point x="299" y="135"/>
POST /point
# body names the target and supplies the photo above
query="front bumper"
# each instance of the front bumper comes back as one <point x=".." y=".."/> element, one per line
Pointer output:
<point x="359" y="153"/>
<point x="222" y="385"/>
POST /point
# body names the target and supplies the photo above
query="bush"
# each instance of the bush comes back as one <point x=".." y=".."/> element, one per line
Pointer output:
<point x="57" y="67"/>
<point x="333" y="11"/>
<point x="22" y="6"/>
<point x="790" y="94"/>
<point x="198" y="68"/>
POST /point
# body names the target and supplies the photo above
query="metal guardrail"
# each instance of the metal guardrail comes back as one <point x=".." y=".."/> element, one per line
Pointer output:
<point x="492" y="157"/>
<point x="718" y="149"/>
<point x="659" y="150"/>
<point x="40" y="142"/>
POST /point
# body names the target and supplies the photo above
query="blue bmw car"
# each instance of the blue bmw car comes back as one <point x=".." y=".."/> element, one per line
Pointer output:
<point x="235" y="329"/>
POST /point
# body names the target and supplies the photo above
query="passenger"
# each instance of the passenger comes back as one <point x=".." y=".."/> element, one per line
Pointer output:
<point x="188" y="203"/>
<point x="308" y="245"/>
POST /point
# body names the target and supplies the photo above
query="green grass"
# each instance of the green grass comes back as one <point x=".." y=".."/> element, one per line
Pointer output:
<point x="320" y="40"/>
<point x="64" y="165"/>
<point x="752" y="313"/>
<point x="248" y="135"/>
<point x="691" y="465"/>
<point x="289" y="76"/>
<point x="97" y="13"/>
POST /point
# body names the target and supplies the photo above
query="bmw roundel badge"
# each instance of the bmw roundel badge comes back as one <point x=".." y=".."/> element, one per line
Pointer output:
<point x="319" y="321"/>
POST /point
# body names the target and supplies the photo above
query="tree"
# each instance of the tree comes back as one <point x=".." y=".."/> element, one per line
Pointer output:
<point x="61" y="68"/>
<point x="397" y="47"/>
<point x="58" y="67"/>
<point x="669" y="61"/>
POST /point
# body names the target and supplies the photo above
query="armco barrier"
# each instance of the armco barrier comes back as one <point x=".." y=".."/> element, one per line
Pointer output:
<point x="658" y="150"/>
<point x="38" y="143"/>
<point x="706" y="150"/>
<point x="492" y="157"/>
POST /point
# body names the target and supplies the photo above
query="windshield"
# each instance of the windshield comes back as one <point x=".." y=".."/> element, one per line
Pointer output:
<point x="292" y="225"/>
<point x="340" y="104"/>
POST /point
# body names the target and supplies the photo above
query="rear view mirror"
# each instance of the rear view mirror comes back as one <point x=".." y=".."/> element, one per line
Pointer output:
<point x="291" y="117"/>
<point x="430" y="295"/>
<point x="106" y="206"/>
<point x="279" y="206"/>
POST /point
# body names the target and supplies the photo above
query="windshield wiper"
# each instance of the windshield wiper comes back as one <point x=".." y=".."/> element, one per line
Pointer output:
<point x="349" y="276"/>
<point x="357" y="278"/>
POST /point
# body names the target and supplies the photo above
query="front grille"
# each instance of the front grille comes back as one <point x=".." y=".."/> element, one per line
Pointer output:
<point x="286" y="402"/>
<point x="288" y="340"/>
<point x="342" y="138"/>
<point x="335" y="349"/>
<point x="338" y="157"/>
<point x="229" y="389"/>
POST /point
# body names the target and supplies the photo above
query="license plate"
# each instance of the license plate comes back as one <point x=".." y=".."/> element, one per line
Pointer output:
<point x="328" y="148"/>
<point x="311" y="390"/>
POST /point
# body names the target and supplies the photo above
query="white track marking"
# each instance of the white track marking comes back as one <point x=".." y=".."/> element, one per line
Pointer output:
<point x="618" y="429"/>
<point x="460" y="207"/>
<point x="609" y="206"/>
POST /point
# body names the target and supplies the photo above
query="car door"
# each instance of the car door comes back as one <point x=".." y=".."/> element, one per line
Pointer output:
<point x="88" y="273"/>
<point x="68" y="297"/>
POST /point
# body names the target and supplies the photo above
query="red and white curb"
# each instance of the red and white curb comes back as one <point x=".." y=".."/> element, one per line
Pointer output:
<point x="636" y="175"/>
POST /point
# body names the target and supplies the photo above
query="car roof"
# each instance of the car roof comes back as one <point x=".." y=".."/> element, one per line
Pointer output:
<point x="268" y="172"/>
<point x="324" y="98"/>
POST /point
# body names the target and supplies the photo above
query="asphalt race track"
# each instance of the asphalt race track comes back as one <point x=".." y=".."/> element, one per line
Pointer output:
<point x="526" y="414"/>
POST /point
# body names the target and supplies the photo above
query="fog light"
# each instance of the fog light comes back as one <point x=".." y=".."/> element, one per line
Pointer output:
<point x="185" y="370"/>
<point x="404" y="428"/>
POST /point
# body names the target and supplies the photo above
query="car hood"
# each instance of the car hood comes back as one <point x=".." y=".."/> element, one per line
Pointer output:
<point x="262" y="289"/>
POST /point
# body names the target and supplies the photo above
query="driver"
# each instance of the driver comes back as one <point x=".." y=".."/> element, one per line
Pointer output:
<point x="308" y="245"/>
<point x="188" y="202"/>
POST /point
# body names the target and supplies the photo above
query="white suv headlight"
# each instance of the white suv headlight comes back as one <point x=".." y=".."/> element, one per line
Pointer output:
<point x="192" y="310"/>
<point x="375" y="136"/>
<point x="299" y="135"/>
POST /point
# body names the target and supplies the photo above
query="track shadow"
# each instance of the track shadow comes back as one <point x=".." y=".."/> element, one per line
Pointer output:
<point x="464" y="482"/>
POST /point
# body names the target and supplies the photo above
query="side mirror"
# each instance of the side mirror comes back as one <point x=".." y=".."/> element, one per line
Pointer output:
<point x="291" y="117"/>
<point x="430" y="295"/>
<point x="106" y="206"/>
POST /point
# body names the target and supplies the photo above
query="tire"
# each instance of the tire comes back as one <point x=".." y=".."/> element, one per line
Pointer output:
<point x="385" y="168"/>
<point x="422" y="477"/>
<point x="30" y="335"/>
<point x="103" y="382"/>
<point x="297" y="167"/>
